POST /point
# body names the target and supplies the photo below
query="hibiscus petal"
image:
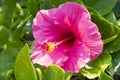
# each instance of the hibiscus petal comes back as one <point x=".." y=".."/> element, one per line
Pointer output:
<point x="79" y="55"/>
<point x="38" y="58"/>
<point x="44" y="28"/>
<point x="91" y="37"/>
<point x="88" y="31"/>
<point x="56" y="57"/>
<point x="95" y="49"/>
<point x="70" y="13"/>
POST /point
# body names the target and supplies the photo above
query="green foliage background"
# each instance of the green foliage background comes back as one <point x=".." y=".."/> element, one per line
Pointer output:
<point x="16" y="41"/>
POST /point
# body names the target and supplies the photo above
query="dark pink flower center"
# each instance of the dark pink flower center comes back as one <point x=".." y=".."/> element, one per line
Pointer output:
<point x="68" y="39"/>
<point x="69" y="35"/>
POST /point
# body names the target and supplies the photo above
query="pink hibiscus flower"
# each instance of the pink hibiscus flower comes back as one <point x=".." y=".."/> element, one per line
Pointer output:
<point x="65" y="36"/>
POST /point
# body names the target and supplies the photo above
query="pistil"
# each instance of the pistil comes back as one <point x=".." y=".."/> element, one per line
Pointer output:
<point x="51" y="46"/>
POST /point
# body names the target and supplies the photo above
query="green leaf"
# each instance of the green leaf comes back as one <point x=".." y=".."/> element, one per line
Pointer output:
<point x="116" y="9"/>
<point x="93" y="69"/>
<point x="27" y="31"/>
<point x="39" y="73"/>
<point x="116" y="60"/>
<point x="108" y="31"/>
<point x="112" y="47"/>
<point x="68" y="75"/>
<point x="58" y="3"/>
<point x="33" y="6"/>
<point x="104" y="76"/>
<point x="101" y="6"/>
<point x="40" y="67"/>
<point x="118" y="22"/>
<point x="24" y="69"/>
<point x="7" y="10"/>
<point x="9" y="75"/>
<point x="46" y="4"/>
<point x="54" y="72"/>
<point x="18" y="32"/>
<point x="1" y="18"/>
<point x="19" y="8"/>
<point x="8" y="55"/>
<point x="111" y="17"/>
<point x="4" y="37"/>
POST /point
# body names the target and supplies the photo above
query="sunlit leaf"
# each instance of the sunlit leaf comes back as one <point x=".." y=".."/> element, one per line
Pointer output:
<point x="93" y="69"/>
<point x="24" y="69"/>
<point x="104" y="76"/>
<point x="68" y="75"/>
<point x="39" y="73"/>
<point x="54" y="72"/>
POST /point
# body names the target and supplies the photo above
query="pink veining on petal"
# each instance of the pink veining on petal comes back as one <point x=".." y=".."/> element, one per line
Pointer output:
<point x="41" y="57"/>
<point x="43" y="26"/>
<point x="70" y="12"/>
<point x="79" y="55"/>
<point x="75" y="39"/>
<point x="91" y="37"/>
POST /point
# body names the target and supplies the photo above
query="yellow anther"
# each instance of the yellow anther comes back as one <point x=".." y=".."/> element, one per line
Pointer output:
<point x="49" y="47"/>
